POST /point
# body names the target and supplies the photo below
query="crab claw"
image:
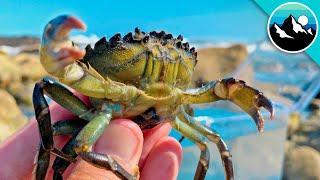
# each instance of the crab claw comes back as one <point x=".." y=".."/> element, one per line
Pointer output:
<point x="56" y="50"/>
<point x="246" y="97"/>
<point x="59" y="27"/>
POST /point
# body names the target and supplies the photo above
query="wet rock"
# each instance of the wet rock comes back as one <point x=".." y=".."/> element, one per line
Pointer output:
<point x="11" y="118"/>
<point x="218" y="62"/>
<point x="302" y="162"/>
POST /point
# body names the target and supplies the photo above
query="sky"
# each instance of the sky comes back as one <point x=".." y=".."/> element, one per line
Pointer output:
<point x="218" y="20"/>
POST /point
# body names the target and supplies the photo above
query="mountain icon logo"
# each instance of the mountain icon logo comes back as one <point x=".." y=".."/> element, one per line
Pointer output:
<point x="292" y="27"/>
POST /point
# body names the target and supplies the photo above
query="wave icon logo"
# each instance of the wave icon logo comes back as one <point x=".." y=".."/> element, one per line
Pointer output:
<point x="292" y="27"/>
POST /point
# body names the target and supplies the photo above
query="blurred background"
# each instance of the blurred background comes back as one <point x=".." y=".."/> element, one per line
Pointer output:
<point x="231" y="40"/>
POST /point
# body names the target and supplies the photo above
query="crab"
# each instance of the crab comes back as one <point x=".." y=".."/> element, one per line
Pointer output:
<point x="143" y="76"/>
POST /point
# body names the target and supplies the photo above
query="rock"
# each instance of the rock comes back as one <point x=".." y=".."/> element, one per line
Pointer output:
<point x="9" y="71"/>
<point x="30" y="66"/>
<point x="293" y="124"/>
<point x="217" y="62"/>
<point x="18" y="75"/>
<point x="31" y="71"/>
<point x="308" y="132"/>
<point x="11" y="118"/>
<point x="302" y="162"/>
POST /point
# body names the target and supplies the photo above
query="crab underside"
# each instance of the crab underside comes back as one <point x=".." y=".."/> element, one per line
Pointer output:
<point x="143" y="76"/>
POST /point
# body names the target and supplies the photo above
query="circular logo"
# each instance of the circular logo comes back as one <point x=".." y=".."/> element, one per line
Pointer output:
<point x="292" y="27"/>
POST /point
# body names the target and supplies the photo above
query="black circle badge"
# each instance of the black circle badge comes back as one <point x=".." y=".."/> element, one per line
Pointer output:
<point x="292" y="27"/>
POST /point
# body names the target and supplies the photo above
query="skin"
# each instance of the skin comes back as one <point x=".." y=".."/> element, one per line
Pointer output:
<point x="157" y="155"/>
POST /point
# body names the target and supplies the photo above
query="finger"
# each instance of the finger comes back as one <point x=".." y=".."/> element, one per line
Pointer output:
<point x="123" y="140"/>
<point x="151" y="137"/>
<point x="163" y="161"/>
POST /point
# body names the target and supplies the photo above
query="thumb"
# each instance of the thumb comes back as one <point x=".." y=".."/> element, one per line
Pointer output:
<point x="123" y="140"/>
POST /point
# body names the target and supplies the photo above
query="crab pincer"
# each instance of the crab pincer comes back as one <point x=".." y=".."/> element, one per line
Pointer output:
<point x="56" y="49"/>
<point x="247" y="98"/>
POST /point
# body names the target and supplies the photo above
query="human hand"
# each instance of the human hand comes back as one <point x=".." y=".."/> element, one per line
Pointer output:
<point x="157" y="155"/>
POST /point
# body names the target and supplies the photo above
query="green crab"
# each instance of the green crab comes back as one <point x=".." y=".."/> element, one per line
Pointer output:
<point x="143" y="76"/>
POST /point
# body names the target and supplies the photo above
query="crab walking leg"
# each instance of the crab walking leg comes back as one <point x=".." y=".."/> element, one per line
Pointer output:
<point x="64" y="128"/>
<point x="44" y="124"/>
<point x="42" y="164"/>
<point x="68" y="127"/>
<point x="60" y="164"/>
<point x="88" y="136"/>
<point x="42" y="112"/>
<point x="190" y="133"/>
<point x="213" y="137"/>
<point x="61" y="95"/>
<point x="247" y="98"/>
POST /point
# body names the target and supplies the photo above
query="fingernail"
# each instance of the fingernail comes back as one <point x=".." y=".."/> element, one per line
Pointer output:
<point x="121" y="138"/>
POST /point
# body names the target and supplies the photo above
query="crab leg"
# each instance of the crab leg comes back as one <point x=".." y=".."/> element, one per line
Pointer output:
<point x="213" y="137"/>
<point x="247" y="98"/>
<point x="195" y="136"/>
<point x="64" y="128"/>
<point x="42" y="164"/>
<point x="88" y="136"/>
<point x="60" y="164"/>
<point x="62" y="96"/>
<point x="82" y="143"/>
<point x="44" y="122"/>
<point x="68" y="127"/>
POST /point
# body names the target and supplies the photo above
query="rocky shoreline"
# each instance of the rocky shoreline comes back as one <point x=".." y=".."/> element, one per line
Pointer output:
<point x="18" y="73"/>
